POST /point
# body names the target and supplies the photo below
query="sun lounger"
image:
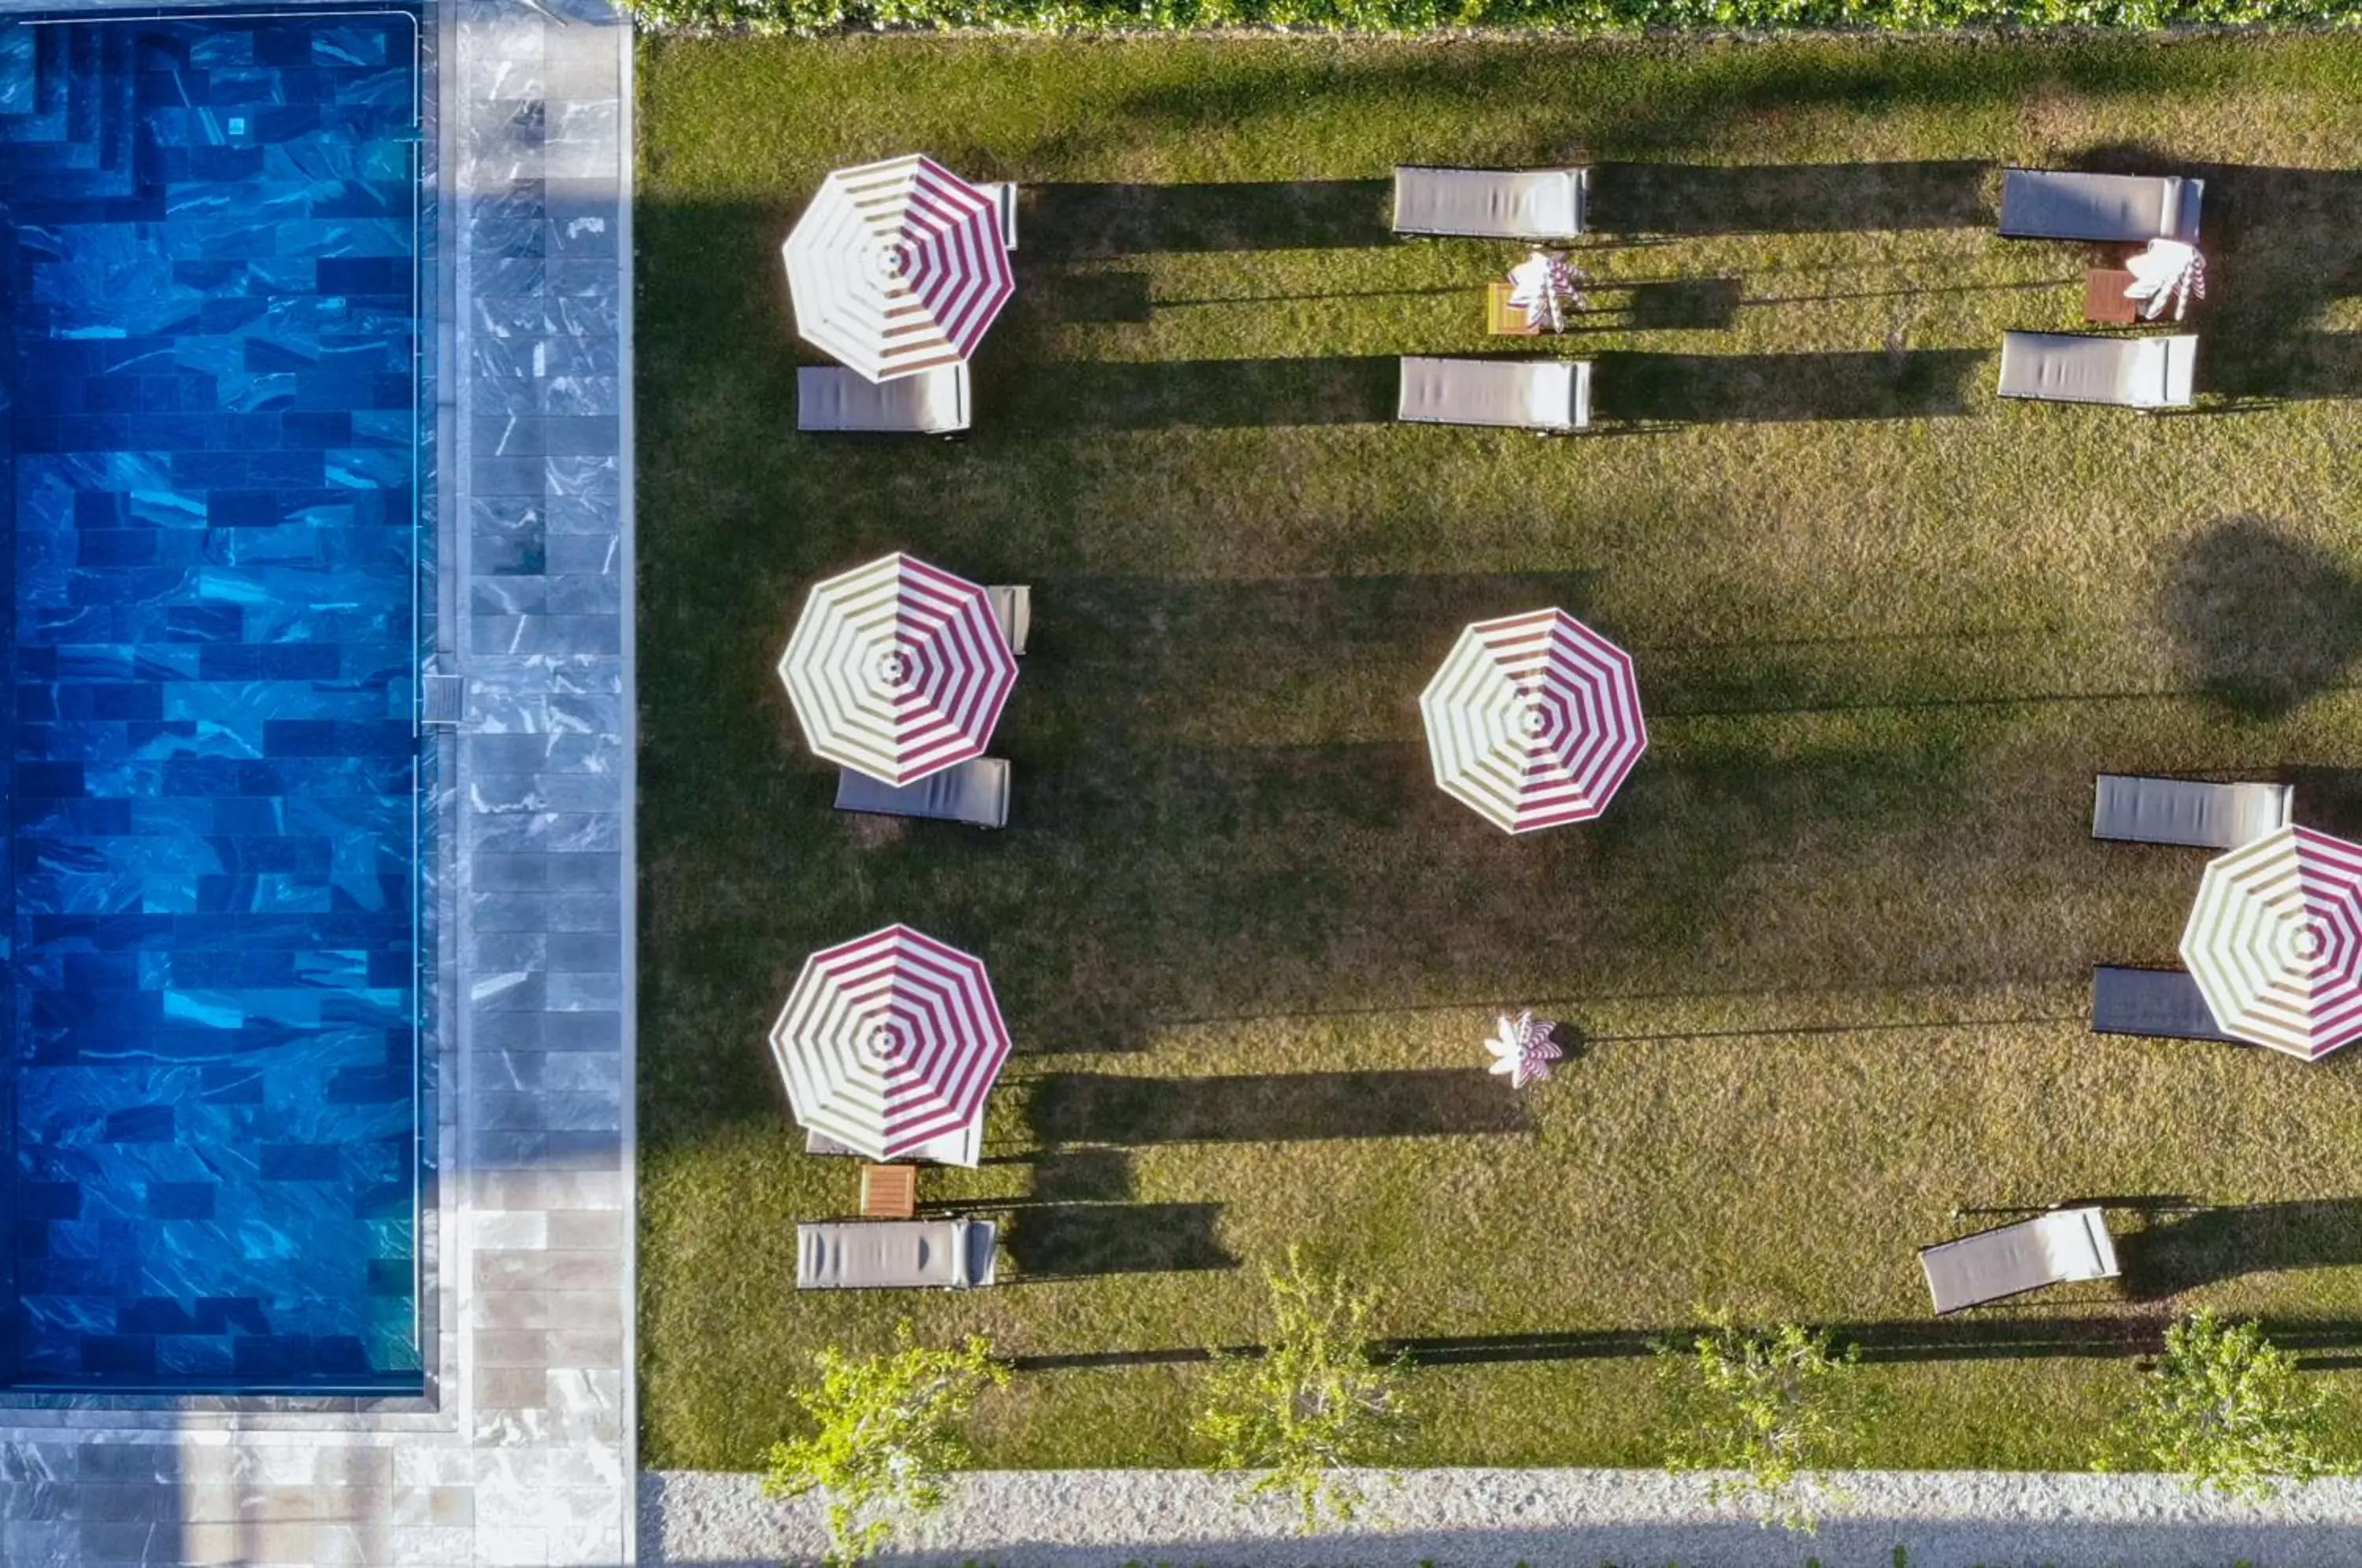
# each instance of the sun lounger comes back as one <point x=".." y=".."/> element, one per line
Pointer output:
<point x="932" y="403"/>
<point x="2186" y="810"/>
<point x="1549" y="395"/>
<point x="1491" y="203"/>
<point x="2073" y="367"/>
<point x="960" y="1148"/>
<point x="1004" y="193"/>
<point x="975" y="792"/>
<point x="1012" y="606"/>
<point x="2056" y="1248"/>
<point x="2159" y="1004"/>
<point x="880" y="1255"/>
<point x="2131" y="209"/>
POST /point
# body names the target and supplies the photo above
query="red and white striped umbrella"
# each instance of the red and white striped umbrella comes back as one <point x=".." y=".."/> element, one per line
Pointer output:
<point x="2275" y="942"/>
<point x="898" y="267"/>
<point x="889" y="1042"/>
<point x="898" y="669"/>
<point x="1534" y="719"/>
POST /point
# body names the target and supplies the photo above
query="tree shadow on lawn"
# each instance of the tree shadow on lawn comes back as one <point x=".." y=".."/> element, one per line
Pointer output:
<point x="2266" y="621"/>
<point x="1611" y="102"/>
<point x="1158" y="394"/>
<point x="2325" y="1345"/>
<point x="2181" y="1249"/>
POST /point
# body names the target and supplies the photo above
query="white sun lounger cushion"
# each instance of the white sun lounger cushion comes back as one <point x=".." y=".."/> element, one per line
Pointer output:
<point x="2058" y="204"/>
<point x="832" y="398"/>
<point x="1519" y="394"/>
<point x="878" y="1255"/>
<point x="2058" y="1248"/>
<point x="1490" y="204"/>
<point x="2074" y="367"/>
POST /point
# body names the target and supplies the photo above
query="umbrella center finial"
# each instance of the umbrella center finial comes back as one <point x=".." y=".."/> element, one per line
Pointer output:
<point x="1533" y="714"/>
<point x="884" y="1043"/>
<point x="2310" y="942"/>
<point x="890" y="262"/>
<point x="895" y="668"/>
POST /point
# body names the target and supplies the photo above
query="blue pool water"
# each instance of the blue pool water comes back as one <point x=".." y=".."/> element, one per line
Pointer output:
<point x="209" y="269"/>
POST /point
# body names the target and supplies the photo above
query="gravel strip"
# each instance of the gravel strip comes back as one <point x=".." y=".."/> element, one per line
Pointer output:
<point x="1549" y="1519"/>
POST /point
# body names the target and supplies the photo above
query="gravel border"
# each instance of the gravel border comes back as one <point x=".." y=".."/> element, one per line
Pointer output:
<point x="1494" y="1519"/>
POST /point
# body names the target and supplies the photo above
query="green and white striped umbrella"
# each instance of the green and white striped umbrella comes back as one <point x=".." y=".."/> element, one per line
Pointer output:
<point x="2275" y="942"/>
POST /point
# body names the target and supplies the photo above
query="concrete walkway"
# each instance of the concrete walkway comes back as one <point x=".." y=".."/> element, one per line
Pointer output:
<point x="1549" y="1519"/>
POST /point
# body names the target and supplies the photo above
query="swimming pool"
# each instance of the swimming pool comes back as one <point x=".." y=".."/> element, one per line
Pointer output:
<point x="215" y="452"/>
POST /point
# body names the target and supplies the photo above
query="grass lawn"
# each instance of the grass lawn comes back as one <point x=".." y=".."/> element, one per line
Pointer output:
<point x="1828" y="953"/>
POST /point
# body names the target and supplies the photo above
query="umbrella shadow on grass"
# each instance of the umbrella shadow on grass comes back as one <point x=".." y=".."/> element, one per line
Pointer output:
<point x="2265" y="621"/>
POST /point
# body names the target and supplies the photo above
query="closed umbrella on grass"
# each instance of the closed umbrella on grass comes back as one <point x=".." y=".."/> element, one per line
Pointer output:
<point x="898" y="267"/>
<point x="889" y="1042"/>
<point x="2275" y="942"/>
<point x="898" y="669"/>
<point x="1534" y="719"/>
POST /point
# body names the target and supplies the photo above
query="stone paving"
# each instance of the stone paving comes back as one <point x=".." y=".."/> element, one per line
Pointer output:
<point x="523" y="1451"/>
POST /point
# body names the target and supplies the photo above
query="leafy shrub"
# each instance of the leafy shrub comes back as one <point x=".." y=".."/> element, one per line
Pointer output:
<point x="2229" y="1410"/>
<point x="1772" y="1408"/>
<point x="1316" y="1399"/>
<point x="885" y="1432"/>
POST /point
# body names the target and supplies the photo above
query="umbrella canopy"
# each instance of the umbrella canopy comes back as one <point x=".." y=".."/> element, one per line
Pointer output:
<point x="898" y="267"/>
<point x="2275" y="942"/>
<point x="898" y="669"/>
<point x="889" y="1042"/>
<point x="1534" y="719"/>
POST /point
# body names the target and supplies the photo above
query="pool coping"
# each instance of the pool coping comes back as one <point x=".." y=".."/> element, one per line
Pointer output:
<point x="522" y="1449"/>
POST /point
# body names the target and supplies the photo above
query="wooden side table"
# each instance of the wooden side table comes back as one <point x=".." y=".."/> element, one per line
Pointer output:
<point x="2104" y="297"/>
<point x="1503" y="319"/>
<point x="890" y="1192"/>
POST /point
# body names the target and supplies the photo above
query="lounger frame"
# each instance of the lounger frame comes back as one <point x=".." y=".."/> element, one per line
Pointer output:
<point x="1550" y="397"/>
<point x="975" y="792"/>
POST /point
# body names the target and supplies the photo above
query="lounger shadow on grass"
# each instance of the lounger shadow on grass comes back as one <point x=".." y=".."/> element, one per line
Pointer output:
<point x="1076" y="1240"/>
<point x="1788" y="198"/>
<point x="1095" y="394"/>
<point x="1719" y="389"/>
<point x="1068" y="222"/>
<point x="1095" y="1108"/>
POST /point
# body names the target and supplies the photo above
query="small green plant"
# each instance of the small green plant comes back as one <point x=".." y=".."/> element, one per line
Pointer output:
<point x="2226" y="1408"/>
<point x="1316" y="1399"/>
<point x="886" y="1432"/>
<point x="1776" y="1407"/>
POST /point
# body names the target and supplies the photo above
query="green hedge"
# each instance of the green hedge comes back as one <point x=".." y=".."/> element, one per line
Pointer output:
<point x="1422" y="15"/>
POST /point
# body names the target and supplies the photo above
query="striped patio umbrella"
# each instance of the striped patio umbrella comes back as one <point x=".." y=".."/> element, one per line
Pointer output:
<point x="898" y="669"/>
<point x="898" y="267"/>
<point x="889" y="1042"/>
<point x="1534" y="719"/>
<point x="2275" y="942"/>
